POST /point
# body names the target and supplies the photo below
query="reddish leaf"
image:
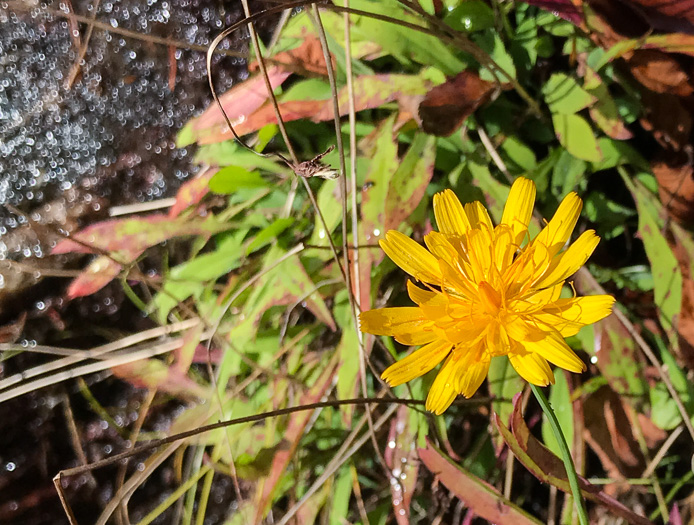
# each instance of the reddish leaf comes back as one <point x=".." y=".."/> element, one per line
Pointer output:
<point x="155" y="375"/>
<point x="678" y="10"/>
<point x="192" y="191"/>
<point x="371" y="91"/>
<point x="683" y="250"/>
<point x="676" y="187"/>
<point x="548" y="468"/>
<point x="667" y="119"/>
<point x="477" y="494"/>
<point x="9" y="333"/>
<point x="609" y="433"/>
<point x="127" y="238"/>
<point x="241" y="100"/>
<point x="563" y="8"/>
<point x="401" y="459"/>
<point x="94" y="277"/>
<point x="660" y="72"/>
<point x="307" y="58"/>
<point x="446" y="107"/>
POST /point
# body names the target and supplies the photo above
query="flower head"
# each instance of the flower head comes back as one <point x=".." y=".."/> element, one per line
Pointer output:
<point x="486" y="292"/>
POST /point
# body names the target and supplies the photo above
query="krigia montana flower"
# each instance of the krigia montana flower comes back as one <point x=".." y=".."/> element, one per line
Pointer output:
<point x="487" y="292"/>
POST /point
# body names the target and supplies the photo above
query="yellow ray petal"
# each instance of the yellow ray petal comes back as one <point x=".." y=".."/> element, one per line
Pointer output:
<point x="417" y="363"/>
<point x="389" y="321"/>
<point x="568" y="263"/>
<point x="456" y="282"/>
<point x="564" y="327"/>
<point x="408" y="325"/>
<point x="438" y="245"/>
<point x="419" y="296"/>
<point x="521" y="330"/>
<point x="471" y="375"/>
<point x="478" y="215"/>
<point x="556" y="351"/>
<point x="533" y="368"/>
<point x="505" y="247"/>
<point x="519" y="207"/>
<point x="480" y="253"/>
<point x="449" y="213"/>
<point x="559" y="229"/>
<point x="442" y="392"/>
<point x="584" y="310"/>
<point x="411" y="257"/>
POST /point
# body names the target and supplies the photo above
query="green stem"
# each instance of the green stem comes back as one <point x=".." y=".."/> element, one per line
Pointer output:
<point x="566" y="455"/>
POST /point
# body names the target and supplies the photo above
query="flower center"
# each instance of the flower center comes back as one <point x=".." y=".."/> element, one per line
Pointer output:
<point x="490" y="298"/>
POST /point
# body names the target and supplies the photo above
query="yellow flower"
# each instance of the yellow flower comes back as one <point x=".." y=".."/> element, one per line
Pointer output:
<point x="488" y="292"/>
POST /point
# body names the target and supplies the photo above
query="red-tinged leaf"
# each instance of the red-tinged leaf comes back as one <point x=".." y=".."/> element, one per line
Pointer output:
<point x="202" y="356"/>
<point x="567" y="9"/>
<point x="410" y="181"/>
<point x="478" y="495"/>
<point x="661" y="72"/>
<point x="609" y="434"/>
<point x="9" y="333"/>
<point x="548" y="468"/>
<point x="94" y="277"/>
<point x="155" y="375"/>
<point x="383" y="165"/>
<point x="669" y="121"/>
<point x="306" y="58"/>
<point x="292" y="436"/>
<point x="605" y="112"/>
<point x="683" y="250"/>
<point x="192" y="191"/>
<point x="445" y="107"/>
<point x="401" y="459"/>
<point x="675" y="178"/>
<point x="241" y="100"/>
<point x="371" y="91"/>
<point x="678" y="10"/>
<point x="126" y="239"/>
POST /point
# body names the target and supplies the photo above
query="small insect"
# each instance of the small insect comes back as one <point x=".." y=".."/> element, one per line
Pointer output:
<point x="316" y="168"/>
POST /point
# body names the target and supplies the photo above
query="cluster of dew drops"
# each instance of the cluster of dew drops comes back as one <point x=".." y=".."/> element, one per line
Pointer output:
<point x="54" y="138"/>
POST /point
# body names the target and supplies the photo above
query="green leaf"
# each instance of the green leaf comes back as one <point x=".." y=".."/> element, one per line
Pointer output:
<point x="491" y="43"/>
<point x="564" y="95"/>
<point x="231" y="178"/>
<point x="567" y="173"/>
<point x="617" y="153"/>
<point x="560" y="399"/>
<point x="576" y="135"/>
<point x="667" y="275"/>
<point x="400" y="41"/>
<point x="269" y="234"/>
<point x="519" y="154"/>
<point x="341" y="494"/>
<point x="664" y="411"/>
<point x="469" y="16"/>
